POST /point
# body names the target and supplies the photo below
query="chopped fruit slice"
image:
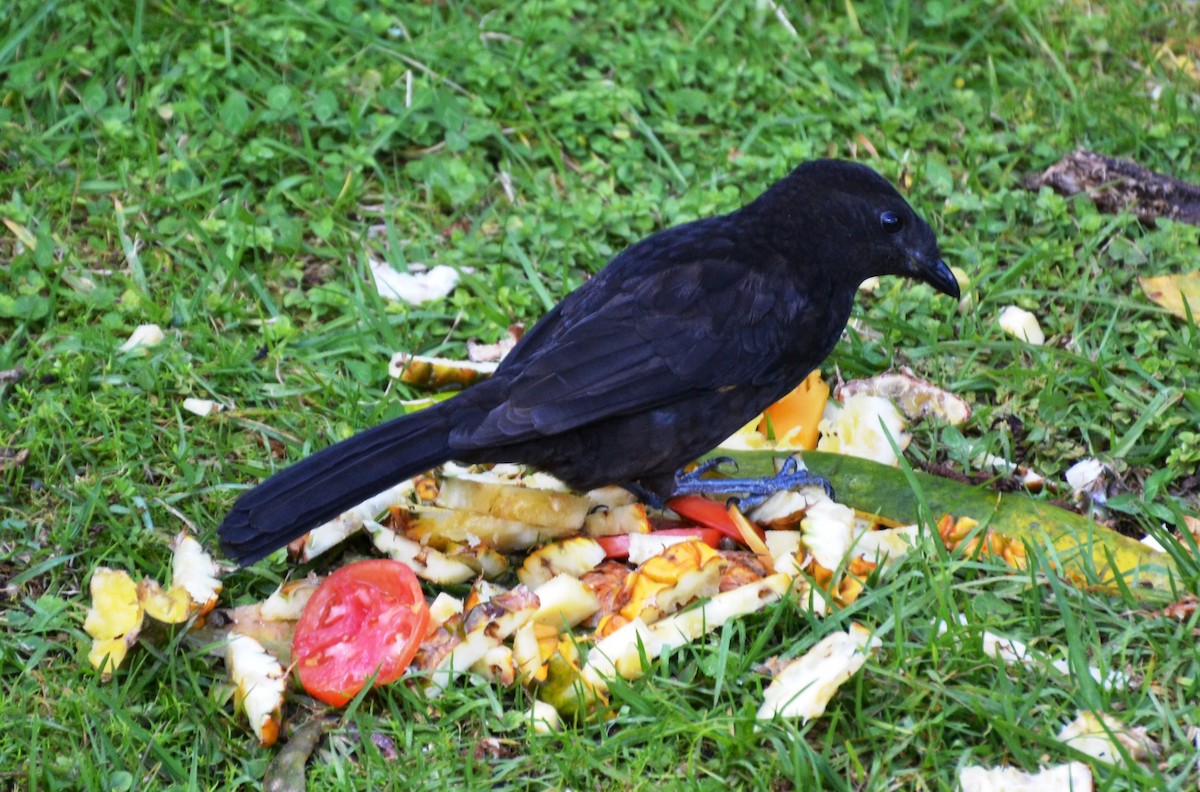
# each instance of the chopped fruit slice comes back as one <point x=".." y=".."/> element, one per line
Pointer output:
<point x="428" y="525"/>
<point x="1022" y="324"/>
<point x="114" y="619"/>
<point x="565" y="602"/>
<point x="558" y="511"/>
<point x="366" y="620"/>
<point x="544" y="718"/>
<point x="259" y="682"/>
<point x="486" y="626"/>
<point x="575" y="556"/>
<point x="864" y="426"/>
<point x="804" y="687"/>
<point x="620" y="654"/>
<point x="420" y="558"/>
<point x="437" y="373"/>
<point x="793" y="420"/>
<point x="194" y="569"/>
<point x="288" y="601"/>
<point x="653" y="543"/>
<point x="916" y="398"/>
<point x="628" y="518"/>
<point x="673" y="578"/>
<point x="709" y="513"/>
<point x="171" y="606"/>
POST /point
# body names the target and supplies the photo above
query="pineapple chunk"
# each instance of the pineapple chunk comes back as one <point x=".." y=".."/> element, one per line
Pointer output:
<point x="194" y="569"/>
<point x="481" y="558"/>
<point x="574" y="557"/>
<point x="915" y="397"/>
<point x="643" y="547"/>
<point x="497" y="666"/>
<point x="828" y="531"/>
<point x="442" y="609"/>
<point x="487" y="626"/>
<point x="861" y="428"/>
<point x="428" y="525"/>
<point x="287" y="602"/>
<point x="620" y="653"/>
<point x="259" y="681"/>
<point x="629" y="518"/>
<point x="428" y="563"/>
<point x="786" y="550"/>
<point x="804" y="687"/>
<point x="533" y="645"/>
<point x="348" y="523"/>
<point x="565" y="602"/>
<point x="560" y="511"/>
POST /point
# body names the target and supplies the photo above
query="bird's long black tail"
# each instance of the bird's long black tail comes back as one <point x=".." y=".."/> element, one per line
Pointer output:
<point x="322" y="486"/>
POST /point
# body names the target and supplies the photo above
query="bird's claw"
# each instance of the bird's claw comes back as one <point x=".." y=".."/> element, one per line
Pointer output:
<point x="748" y="492"/>
<point x="707" y="466"/>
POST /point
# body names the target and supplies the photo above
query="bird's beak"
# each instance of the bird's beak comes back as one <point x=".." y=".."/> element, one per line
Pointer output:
<point x="938" y="275"/>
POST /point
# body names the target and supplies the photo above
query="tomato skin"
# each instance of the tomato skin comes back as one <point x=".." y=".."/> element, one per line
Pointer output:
<point x="709" y="513"/>
<point x="618" y="546"/>
<point x="366" y="619"/>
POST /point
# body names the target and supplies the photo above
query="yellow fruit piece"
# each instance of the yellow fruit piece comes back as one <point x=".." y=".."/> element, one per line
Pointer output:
<point x="437" y="373"/>
<point x="1022" y="324"/>
<point x="673" y="578"/>
<point x="568" y="691"/>
<point x="794" y="419"/>
<point x="561" y="512"/>
<point x="574" y="556"/>
<point x="107" y="654"/>
<point x="533" y="645"/>
<point x="114" y="618"/>
<point x="171" y="606"/>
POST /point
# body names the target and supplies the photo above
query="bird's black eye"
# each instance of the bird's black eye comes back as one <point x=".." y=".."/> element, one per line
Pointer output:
<point x="891" y="222"/>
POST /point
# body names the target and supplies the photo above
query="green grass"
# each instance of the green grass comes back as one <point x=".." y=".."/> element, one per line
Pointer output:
<point x="225" y="169"/>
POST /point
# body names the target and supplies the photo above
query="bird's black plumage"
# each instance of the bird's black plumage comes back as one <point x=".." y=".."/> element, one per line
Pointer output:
<point x="675" y="344"/>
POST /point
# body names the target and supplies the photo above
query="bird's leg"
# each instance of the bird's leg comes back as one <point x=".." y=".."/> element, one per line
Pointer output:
<point x="749" y="492"/>
<point x="648" y="497"/>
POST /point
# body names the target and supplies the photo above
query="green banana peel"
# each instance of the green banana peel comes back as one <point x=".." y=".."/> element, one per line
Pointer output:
<point x="1080" y="549"/>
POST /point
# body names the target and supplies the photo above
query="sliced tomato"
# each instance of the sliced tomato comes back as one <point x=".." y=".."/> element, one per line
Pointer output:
<point x="618" y="546"/>
<point x="709" y="513"/>
<point x="366" y="619"/>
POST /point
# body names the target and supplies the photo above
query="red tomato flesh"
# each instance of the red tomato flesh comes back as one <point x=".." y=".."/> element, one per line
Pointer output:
<point x="367" y="617"/>
<point x="708" y="513"/>
<point x="618" y="546"/>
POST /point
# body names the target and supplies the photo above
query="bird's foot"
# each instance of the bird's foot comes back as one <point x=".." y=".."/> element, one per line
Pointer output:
<point x="748" y="492"/>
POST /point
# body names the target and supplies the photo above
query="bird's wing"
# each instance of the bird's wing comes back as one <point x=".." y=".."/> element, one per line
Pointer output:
<point x="627" y="344"/>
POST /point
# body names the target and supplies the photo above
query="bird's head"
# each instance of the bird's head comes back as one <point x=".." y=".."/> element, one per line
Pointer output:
<point x="852" y="215"/>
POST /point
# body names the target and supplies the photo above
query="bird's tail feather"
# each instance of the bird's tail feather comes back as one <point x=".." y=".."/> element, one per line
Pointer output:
<point x="322" y="486"/>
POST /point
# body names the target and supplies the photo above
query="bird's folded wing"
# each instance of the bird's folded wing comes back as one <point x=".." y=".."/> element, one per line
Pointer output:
<point x="653" y="343"/>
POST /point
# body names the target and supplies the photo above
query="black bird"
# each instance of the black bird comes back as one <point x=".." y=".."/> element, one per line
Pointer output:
<point x="675" y="344"/>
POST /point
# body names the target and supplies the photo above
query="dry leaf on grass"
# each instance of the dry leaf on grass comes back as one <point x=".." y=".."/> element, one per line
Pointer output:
<point x="1173" y="292"/>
